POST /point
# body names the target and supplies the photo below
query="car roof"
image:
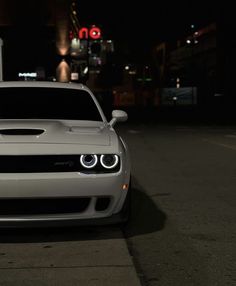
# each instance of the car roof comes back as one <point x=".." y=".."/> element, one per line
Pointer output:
<point x="47" y="84"/>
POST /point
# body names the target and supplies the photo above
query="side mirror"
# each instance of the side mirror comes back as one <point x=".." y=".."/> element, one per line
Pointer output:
<point x="118" y="116"/>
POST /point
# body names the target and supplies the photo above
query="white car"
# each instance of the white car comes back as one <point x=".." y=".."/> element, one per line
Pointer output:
<point x="61" y="162"/>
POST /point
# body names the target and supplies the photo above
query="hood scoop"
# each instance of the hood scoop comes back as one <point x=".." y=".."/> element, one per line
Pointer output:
<point x="21" y="131"/>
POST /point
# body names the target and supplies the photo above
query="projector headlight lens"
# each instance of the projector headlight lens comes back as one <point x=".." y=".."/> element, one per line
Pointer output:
<point x="109" y="161"/>
<point x="88" y="161"/>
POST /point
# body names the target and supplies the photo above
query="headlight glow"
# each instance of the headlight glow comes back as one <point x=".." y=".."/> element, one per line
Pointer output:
<point x="88" y="161"/>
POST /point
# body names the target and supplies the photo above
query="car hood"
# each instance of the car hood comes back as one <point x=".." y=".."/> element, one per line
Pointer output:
<point x="55" y="132"/>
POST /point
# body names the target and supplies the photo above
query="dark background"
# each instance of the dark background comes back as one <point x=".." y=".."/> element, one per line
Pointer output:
<point x="135" y="26"/>
<point x="29" y="33"/>
<point x="139" y="25"/>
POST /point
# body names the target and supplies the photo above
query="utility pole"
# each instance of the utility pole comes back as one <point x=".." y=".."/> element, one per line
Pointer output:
<point x="1" y="44"/>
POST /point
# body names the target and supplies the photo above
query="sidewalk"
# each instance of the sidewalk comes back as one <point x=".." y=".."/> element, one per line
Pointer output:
<point x="89" y="258"/>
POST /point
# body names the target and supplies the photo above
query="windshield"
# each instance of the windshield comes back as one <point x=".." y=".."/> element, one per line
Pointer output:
<point x="47" y="103"/>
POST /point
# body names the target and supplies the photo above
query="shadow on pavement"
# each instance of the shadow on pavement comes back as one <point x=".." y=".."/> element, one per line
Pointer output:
<point x="80" y="233"/>
<point x="145" y="218"/>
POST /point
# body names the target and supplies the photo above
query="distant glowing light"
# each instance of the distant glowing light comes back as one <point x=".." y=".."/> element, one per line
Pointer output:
<point x="86" y="70"/>
<point x="94" y="33"/>
<point x="62" y="42"/>
<point x="62" y="31"/>
<point x="83" y="33"/>
<point x="192" y="26"/>
<point x="74" y="76"/>
<point x="62" y="50"/>
<point x="27" y="74"/>
<point x="188" y="42"/>
<point x="63" y="72"/>
<point x="75" y="43"/>
<point x="126" y="68"/>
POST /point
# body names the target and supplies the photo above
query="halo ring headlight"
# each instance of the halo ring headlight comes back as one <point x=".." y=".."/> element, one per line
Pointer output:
<point x="109" y="161"/>
<point x="88" y="161"/>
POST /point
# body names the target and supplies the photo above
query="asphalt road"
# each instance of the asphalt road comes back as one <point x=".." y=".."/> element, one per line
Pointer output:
<point x="182" y="230"/>
<point x="183" y="226"/>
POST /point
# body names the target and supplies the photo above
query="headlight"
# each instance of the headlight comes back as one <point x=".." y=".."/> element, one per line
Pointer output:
<point x="88" y="161"/>
<point x="109" y="161"/>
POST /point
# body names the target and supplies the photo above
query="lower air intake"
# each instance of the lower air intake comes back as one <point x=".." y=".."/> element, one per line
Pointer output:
<point x="43" y="206"/>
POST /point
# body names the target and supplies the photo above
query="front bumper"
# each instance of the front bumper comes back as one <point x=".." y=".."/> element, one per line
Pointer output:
<point x="64" y="185"/>
<point x="66" y="222"/>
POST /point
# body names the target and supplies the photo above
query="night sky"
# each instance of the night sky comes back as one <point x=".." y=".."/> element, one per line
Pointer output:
<point x="138" y="23"/>
<point x="138" y="26"/>
<point x="160" y="20"/>
<point x="135" y="26"/>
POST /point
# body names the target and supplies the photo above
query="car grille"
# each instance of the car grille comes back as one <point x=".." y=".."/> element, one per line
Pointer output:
<point x="43" y="206"/>
<point x="35" y="164"/>
<point x="45" y="164"/>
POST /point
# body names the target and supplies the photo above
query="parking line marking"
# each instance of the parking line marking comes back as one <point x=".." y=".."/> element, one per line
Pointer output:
<point x="220" y="144"/>
<point x="230" y="136"/>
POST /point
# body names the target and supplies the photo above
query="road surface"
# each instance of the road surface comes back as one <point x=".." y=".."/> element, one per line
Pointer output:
<point x="183" y="228"/>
